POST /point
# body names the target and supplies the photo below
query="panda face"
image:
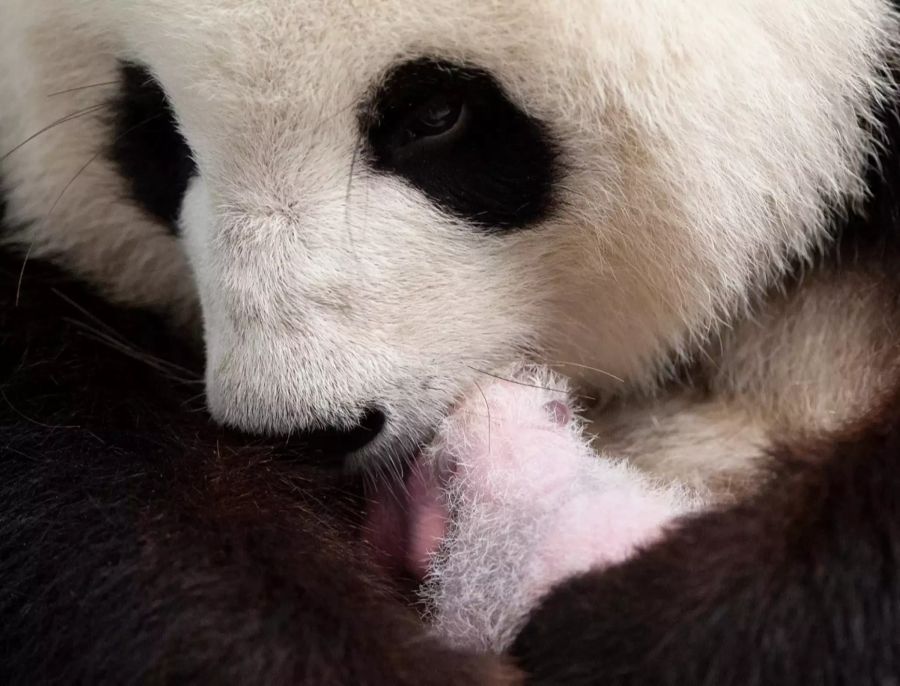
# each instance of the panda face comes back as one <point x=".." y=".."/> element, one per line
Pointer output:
<point x="382" y="204"/>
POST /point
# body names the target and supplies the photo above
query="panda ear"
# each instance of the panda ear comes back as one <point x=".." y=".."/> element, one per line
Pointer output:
<point x="147" y="146"/>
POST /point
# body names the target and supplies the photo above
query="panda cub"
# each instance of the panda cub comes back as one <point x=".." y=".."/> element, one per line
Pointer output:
<point x="369" y="209"/>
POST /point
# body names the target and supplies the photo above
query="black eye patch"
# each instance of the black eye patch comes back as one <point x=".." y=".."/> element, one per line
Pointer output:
<point x="149" y="151"/>
<point x="452" y="132"/>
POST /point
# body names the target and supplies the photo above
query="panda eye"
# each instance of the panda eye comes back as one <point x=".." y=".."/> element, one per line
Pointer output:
<point x="439" y="115"/>
<point x="451" y="132"/>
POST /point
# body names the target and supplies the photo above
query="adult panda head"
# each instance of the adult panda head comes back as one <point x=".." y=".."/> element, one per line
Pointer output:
<point x="379" y="204"/>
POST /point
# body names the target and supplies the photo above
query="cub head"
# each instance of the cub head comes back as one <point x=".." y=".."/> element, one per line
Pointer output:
<point x="382" y="203"/>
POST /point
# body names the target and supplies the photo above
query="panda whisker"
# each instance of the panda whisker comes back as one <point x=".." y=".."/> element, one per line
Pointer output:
<point x="395" y="477"/>
<point x="94" y="158"/>
<point x="578" y="365"/>
<point x="84" y="167"/>
<point x="82" y="88"/>
<point x="113" y="338"/>
<point x="190" y="401"/>
<point x="62" y="120"/>
<point x="161" y="365"/>
<point x="517" y="382"/>
<point x="22" y="273"/>
<point x="328" y="118"/>
<point x="155" y="363"/>
<point x="31" y="420"/>
<point x="317" y="127"/>
<point x="347" y="219"/>
<point x="66" y="299"/>
<point x="386" y="473"/>
<point x="487" y="407"/>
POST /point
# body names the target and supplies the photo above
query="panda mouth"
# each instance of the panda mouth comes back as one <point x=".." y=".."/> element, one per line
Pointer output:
<point x="351" y="440"/>
<point x="332" y="447"/>
<point x="405" y="515"/>
<point x="405" y="521"/>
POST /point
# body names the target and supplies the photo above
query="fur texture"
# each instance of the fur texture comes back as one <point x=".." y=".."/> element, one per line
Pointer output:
<point x="798" y="585"/>
<point x="707" y="152"/>
<point x="697" y="168"/>
<point x="528" y="505"/>
<point x="139" y="544"/>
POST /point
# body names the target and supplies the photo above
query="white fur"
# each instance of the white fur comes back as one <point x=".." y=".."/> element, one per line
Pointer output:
<point x="705" y="142"/>
<point x="530" y="505"/>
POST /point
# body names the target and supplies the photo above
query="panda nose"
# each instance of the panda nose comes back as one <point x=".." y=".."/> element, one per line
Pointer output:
<point x="333" y="443"/>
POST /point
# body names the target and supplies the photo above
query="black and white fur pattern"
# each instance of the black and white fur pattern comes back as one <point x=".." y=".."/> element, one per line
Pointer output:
<point x="638" y="194"/>
<point x="139" y="544"/>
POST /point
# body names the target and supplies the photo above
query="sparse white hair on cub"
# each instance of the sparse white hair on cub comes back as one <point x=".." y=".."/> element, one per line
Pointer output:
<point x="703" y="146"/>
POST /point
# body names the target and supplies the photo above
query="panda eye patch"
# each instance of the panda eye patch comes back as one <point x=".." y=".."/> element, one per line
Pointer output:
<point x="452" y="132"/>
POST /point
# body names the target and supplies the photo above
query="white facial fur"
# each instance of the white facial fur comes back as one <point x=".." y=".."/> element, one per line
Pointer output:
<point x="704" y="144"/>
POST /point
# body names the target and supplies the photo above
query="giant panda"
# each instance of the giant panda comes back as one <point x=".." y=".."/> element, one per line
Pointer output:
<point x="361" y="209"/>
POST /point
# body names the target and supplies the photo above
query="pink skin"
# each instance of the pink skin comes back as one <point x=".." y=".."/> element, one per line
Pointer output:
<point x="509" y="449"/>
<point x="406" y="524"/>
<point x="428" y="517"/>
<point x="428" y="511"/>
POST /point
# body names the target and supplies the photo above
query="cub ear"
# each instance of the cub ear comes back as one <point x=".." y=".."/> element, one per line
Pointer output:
<point x="147" y="146"/>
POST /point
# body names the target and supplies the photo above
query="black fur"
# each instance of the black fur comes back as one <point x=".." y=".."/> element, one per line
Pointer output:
<point x="799" y="586"/>
<point x="874" y="233"/>
<point x="496" y="168"/>
<point x="147" y="146"/>
<point x="141" y="544"/>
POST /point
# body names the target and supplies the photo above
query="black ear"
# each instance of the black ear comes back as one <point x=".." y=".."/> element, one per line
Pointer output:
<point x="147" y="146"/>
